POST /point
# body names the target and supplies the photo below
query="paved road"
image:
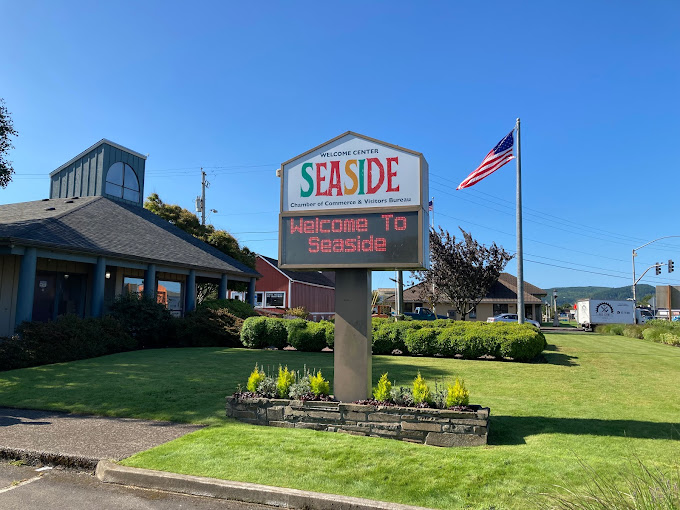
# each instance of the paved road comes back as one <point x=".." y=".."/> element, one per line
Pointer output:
<point x="26" y="488"/>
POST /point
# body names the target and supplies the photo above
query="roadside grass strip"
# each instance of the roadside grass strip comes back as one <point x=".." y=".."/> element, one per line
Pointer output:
<point x="594" y="399"/>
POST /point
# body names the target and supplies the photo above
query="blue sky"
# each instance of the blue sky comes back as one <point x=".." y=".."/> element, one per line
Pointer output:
<point x="240" y="87"/>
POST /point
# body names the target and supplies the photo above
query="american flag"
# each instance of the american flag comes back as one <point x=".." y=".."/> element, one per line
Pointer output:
<point x="430" y="206"/>
<point x="496" y="158"/>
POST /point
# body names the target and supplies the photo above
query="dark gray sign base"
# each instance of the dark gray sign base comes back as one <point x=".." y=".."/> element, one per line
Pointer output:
<point x="352" y="348"/>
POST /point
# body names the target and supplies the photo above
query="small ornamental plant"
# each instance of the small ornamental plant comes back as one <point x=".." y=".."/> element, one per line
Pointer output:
<point x="457" y="394"/>
<point x="285" y="380"/>
<point x="383" y="392"/>
<point x="421" y="392"/>
<point x="256" y="377"/>
<point x="319" y="385"/>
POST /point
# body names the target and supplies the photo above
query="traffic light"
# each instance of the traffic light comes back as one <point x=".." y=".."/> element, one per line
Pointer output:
<point x="670" y="266"/>
<point x="658" y="268"/>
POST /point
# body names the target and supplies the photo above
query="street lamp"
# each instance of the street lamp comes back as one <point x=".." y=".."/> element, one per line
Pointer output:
<point x="655" y="265"/>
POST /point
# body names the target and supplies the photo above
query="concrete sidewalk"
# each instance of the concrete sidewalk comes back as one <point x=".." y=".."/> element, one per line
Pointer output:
<point x="91" y="442"/>
<point x="79" y="441"/>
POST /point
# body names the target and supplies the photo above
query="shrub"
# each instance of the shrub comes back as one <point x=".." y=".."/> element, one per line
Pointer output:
<point x="68" y="338"/>
<point x="653" y="334"/>
<point x="285" y="380"/>
<point x="421" y="392"/>
<point x="319" y="385"/>
<point x="310" y="338"/>
<point x="402" y="396"/>
<point x="235" y="307"/>
<point x="144" y="319"/>
<point x="329" y="328"/>
<point x="391" y="335"/>
<point x="616" y="329"/>
<point x="457" y="394"/>
<point x="670" y="338"/>
<point x="267" y="387"/>
<point x="276" y="332"/>
<point x="208" y="327"/>
<point x="633" y="330"/>
<point x="421" y="341"/>
<point x="299" y="311"/>
<point x="254" y="332"/>
<point x="255" y="378"/>
<point x="300" y="389"/>
<point x="383" y="392"/>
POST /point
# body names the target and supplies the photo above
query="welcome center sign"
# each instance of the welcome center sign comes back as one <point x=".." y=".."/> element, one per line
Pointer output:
<point x="354" y="202"/>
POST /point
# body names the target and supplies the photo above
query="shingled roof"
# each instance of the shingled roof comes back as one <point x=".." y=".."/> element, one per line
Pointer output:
<point x="100" y="226"/>
<point x="504" y="290"/>
<point x="312" y="277"/>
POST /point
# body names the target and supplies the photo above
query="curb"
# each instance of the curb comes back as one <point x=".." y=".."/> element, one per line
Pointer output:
<point x="33" y="457"/>
<point x="110" y="472"/>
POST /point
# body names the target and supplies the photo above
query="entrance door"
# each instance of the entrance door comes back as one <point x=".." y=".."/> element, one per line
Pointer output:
<point x="44" y="296"/>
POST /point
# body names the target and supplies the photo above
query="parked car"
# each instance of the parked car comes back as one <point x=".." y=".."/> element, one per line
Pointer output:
<point x="424" y="314"/>
<point x="511" y="317"/>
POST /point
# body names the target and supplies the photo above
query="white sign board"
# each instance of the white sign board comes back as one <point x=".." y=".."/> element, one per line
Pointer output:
<point x="354" y="172"/>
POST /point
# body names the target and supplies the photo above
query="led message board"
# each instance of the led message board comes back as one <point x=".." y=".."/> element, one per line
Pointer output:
<point x="377" y="239"/>
<point x="354" y="202"/>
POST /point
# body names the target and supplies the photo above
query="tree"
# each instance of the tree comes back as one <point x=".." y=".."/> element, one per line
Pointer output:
<point x="462" y="272"/>
<point x="220" y="239"/>
<point x="6" y="130"/>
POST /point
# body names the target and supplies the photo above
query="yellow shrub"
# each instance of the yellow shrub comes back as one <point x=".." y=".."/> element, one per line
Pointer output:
<point x="256" y="377"/>
<point x="457" y="394"/>
<point x="383" y="391"/>
<point x="320" y="386"/>
<point x="285" y="380"/>
<point x="421" y="392"/>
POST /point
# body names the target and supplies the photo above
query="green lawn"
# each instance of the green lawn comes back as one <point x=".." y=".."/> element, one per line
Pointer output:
<point x="602" y="399"/>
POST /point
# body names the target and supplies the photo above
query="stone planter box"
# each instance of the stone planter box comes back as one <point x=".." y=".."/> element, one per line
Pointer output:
<point x="436" y="427"/>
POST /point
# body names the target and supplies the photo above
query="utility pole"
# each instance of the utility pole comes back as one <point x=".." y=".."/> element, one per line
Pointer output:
<point x="204" y="184"/>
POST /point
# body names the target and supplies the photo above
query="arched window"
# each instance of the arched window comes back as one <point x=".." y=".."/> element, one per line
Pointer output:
<point x="121" y="182"/>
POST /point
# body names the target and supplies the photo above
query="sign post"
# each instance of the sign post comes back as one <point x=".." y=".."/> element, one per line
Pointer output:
<point x="354" y="204"/>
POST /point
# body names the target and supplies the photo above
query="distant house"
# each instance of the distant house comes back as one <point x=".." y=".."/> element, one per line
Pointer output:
<point x="92" y="240"/>
<point x="280" y="289"/>
<point x="502" y="298"/>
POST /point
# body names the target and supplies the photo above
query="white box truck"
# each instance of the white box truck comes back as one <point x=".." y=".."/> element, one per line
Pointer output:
<point x="591" y="312"/>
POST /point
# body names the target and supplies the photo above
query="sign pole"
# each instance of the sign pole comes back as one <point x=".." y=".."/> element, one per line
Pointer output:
<point x="520" y="255"/>
<point x="352" y="348"/>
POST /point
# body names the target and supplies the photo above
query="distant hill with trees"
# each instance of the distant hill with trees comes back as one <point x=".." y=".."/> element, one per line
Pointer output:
<point x="569" y="295"/>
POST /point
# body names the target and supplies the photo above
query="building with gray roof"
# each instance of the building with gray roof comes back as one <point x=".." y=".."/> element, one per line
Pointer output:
<point x="92" y="240"/>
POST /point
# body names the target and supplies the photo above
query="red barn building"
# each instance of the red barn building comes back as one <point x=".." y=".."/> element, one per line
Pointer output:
<point x="280" y="289"/>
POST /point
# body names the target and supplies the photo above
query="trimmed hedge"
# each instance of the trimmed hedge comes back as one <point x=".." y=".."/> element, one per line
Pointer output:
<point x="207" y="327"/>
<point x="235" y="307"/>
<point x="469" y="340"/>
<point x="68" y="338"/>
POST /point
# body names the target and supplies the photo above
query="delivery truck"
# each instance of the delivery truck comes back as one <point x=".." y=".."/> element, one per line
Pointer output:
<point x="592" y="312"/>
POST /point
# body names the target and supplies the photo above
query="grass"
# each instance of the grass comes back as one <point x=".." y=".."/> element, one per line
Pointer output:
<point x="600" y="399"/>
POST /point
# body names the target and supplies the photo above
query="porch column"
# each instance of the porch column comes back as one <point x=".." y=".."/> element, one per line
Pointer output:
<point x="222" y="292"/>
<point x="190" y="295"/>
<point x="251" y="292"/>
<point x="98" y="287"/>
<point x="150" y="282"/>
<point x="26" y="288"/>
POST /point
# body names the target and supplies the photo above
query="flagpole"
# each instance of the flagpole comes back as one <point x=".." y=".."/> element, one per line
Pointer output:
<point x="520" y="254"/>
<point x="432" y="200"/>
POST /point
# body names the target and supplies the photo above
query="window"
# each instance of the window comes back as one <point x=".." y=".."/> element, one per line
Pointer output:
<point x="500" y="308"/>
<point x="274" y="299"/>
<point x="259" y="299"/>
<point x="170" y="295"/>
<point x="238" y="296"/>
<point x="121" y="182"/>
<point x="133" y="285"/>
<point x="473" y="313"/>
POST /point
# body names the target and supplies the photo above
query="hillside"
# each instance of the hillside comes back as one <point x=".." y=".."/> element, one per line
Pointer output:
<point x="571" y="294"/>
